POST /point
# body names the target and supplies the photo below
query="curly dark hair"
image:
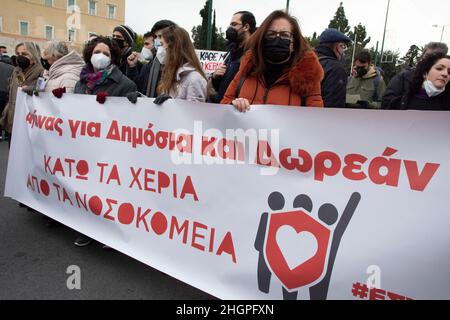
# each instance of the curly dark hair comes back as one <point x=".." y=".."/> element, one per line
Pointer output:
<point x="423" y="67"/>
<point x="112" y="45"/>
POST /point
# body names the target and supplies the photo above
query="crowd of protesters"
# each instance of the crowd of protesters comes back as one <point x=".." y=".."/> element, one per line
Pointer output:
<point x="272" y="64"/>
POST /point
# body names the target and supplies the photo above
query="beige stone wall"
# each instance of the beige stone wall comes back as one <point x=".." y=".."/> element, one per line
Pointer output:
<point x="38" y="15"/>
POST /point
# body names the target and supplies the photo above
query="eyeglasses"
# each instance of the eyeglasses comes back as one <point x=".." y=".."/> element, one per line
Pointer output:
<point x="285" y="35"/>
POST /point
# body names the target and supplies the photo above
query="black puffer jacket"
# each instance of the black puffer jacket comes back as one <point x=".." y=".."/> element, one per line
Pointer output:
<point x="334" y="84"/>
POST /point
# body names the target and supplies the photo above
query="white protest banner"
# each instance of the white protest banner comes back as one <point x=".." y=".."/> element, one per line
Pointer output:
<point x="280" y="202"/>
<point x="211" y="60"/>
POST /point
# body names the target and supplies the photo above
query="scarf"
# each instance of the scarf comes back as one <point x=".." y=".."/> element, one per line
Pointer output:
<point x="93" y="78"/>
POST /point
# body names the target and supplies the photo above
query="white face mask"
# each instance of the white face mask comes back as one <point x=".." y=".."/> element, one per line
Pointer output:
<point x="161" y="55"/>
<point x="100" y="61"/>
<point x="431" y="89"/>
<point x="146" y="54"/>
<point x="157" y="43"/>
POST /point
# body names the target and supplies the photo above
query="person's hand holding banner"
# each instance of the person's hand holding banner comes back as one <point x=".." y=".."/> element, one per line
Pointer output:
<point x="161" y="99"/>
<point x="133" y="96"/>
<point x="30" y="90"/>
<point x="241" y="104"/>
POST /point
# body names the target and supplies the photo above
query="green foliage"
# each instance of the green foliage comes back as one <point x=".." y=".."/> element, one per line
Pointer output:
<point x="314" y="40"/>
<point x="412" y="56"/>
<point x="391" y="64"/>
<point x="199" y="33"/>
<point x="139" y="43"/>
<point x="340" y="21"/>
<point x="218" y="39"/>
<point x="359" y="34"/>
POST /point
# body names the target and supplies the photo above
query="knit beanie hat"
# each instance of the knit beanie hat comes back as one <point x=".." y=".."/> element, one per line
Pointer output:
<point x="128" y="34"/>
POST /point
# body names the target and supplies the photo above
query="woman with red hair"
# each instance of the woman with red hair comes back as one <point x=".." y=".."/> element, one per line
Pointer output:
<point x="279" y="68"/>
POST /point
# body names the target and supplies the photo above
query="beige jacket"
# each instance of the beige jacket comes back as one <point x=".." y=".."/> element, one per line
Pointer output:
<point x="65" y="72"/>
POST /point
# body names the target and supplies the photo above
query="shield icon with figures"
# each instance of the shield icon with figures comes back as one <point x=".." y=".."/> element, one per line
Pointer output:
<point x="296" y="248"/>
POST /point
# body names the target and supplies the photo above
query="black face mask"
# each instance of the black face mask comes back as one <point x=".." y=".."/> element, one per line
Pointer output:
<point x="361" y="71"/>
<point x="232" y="35"/>
<point x="120" y="42"/>
<point x="277" y="51"/>
<point x="45" y="64"/>
<point x="23" y="62"/>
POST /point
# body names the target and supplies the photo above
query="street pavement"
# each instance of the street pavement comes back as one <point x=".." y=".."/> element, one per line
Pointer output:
<point x="34" y="259"/>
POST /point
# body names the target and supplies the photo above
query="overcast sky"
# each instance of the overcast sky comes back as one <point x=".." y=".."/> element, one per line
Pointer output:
<point x="410" y="21"/>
